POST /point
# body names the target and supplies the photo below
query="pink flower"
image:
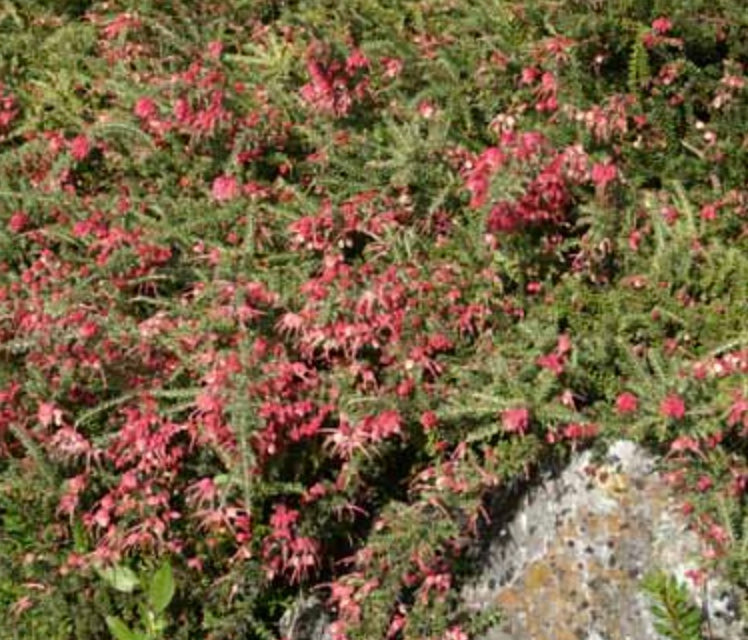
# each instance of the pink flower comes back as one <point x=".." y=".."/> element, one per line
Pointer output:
<point x="553" y="362"/>
<point x="627" y="403"/>
<point x="718" y="534"/>
<point x="121" y="22"/>
<point x="392" y="67"/>
<point x="282" y="520"/>
<point x="215" y="49"/>
<point x="515" y="420"/>
<point x="670" y="214"/>
<point x="80" y="147"/>
<point x="738" y="412"/>
<point x="426" y="109"/>
<point x="662" y="25"/>
<point x="145" y="108"/>
<point x="696" y="576"/>
<point x="635" y="237"/>
<point x="195" y="563"/>
<point x="356" y="60"/>
<point x="502" y="218"/>
<point x="530" y="75"/>
<point x="455" y="633"/>
<point x="602" y="174"/>
<point x="382" y="425"/>
<point x="477" y="184"/>
<point x="564" y="344"/>
<point x="182" y="110"/>
<point x="580" y="431"/>
<point x="685" y="443"/>
<point x="406" y="388"/>
<point x="399" y="620"/>
<point x="48" y="413"/>
<point x="704" y="483"/>
<point x="708" y="212"/>
<point x="18" y="222"/>
<point x="673" y="407"/>
<point x="225" y="188"/>
<point x="88" y="330"/>
<point x="429" y="420"/>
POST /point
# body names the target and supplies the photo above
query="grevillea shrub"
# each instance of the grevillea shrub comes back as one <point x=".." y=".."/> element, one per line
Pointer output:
<point x="289" y="290"/>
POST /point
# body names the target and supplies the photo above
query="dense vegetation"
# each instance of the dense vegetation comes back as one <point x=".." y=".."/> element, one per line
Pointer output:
<point x="289" y="290"/>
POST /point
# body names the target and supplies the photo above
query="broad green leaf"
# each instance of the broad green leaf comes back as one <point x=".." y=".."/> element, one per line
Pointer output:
<point x="79" y="536"/>
<point x="162" y="588"/>
<point x="120" y="578"/>
<point x="120" y="630"/>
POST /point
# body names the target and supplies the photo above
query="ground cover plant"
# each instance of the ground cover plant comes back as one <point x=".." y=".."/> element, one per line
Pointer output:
<point x="288" y="289"/>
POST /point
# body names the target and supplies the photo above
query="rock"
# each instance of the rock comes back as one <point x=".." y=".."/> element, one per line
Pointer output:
<point x="569" y="565"/>
<point x="306" y="619"/>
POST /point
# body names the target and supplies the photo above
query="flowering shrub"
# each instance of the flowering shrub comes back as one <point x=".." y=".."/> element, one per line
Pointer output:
<point x="287" y="294"/>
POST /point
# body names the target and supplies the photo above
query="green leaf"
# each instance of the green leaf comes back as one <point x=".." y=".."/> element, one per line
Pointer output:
<point x="162" y="588"/>
<point x="120" y="578"/>
<point x="79" y="536"/>
<point x="120" y="630"/>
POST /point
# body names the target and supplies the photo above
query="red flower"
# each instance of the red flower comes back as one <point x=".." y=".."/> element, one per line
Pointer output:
<point x="635" y="238"/>
<point x="627" y="403"/>
<point x="602" y="174"/>
<point x="662" y="25"/>
<point x="564" y="344"/>
<point x="704" y="483"/>
<point x="215" y="49"/>
<point x="48" y="413"/>
<point x="515" y="420"/>
<point x="382" y="426"/>
<point x="398" y="622"/>
<point x="455" y="633"/>
<point x="477" y="184"/>
<point x="670" y="215"/>
<point x="708" y="212"/>
<point x="80" y="147"/>
<point x="503" y="218"/>
<point x="530" y="75"/>
<point x="225" y="188"/>
<point x="88" y="330"/>
<point x="356" y="60"/>
<point x="429" y="420"/>
<point x="426" y="109"/>
<point x="145" y="108"/>
<point x="282" y="521"/>
<point x="580" y="431"/>
<point x="553" y="362"/>
<point x="405" y="388"/>
<point x="685" y="443"/>
<point x="18" y="222"/>
<point x="738" y="412"/>
<point x="673" y="407"/>
<point x="392" y="67"/>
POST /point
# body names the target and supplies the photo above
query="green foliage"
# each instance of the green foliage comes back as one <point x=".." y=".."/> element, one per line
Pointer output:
<point x="160" y="591"/>
<point x="676" y="617"/>
<point x="120" y="631"/>
<point x="206" y="363"/>
<point x="120" y="578"/>
<point x="638" y="65"/>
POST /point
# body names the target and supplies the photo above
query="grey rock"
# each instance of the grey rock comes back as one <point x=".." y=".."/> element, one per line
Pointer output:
<point x="306" y="619"/>
<point x="569" y="564"/>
